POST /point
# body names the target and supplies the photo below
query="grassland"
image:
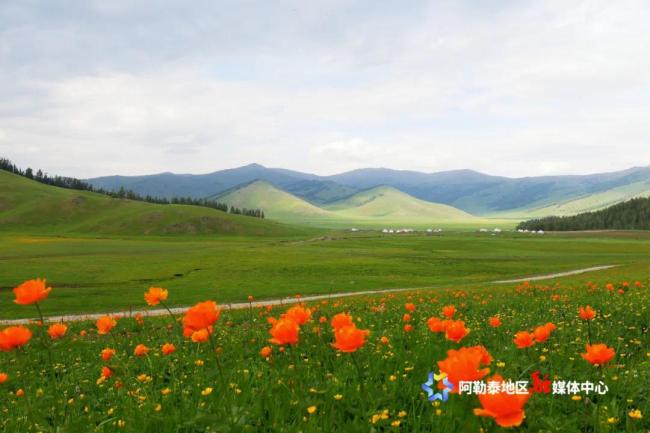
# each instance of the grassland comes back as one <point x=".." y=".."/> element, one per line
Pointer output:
<point x="111" y="273"/>
<point x="311" y="387"/>
<point x="97" y="258"/>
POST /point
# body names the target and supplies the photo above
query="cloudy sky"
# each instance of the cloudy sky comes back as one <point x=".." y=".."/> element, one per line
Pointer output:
<point x="516" y="88"/>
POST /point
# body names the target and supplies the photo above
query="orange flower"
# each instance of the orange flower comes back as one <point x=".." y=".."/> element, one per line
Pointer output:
<point x="266" y="351"/>
<point x="341" y="320"/>
<point x="298" y="314"/>
<point x="140" y="350"/>
<point x="541" y="333"/>
<point x="349" y="338"/>
<point x="456" y="331"/>
<point x="408" y="328"/>
<point x="494" y="321"/>
<point x="448" y="311"/>
<point x="168" y="349"/>
<point x="201" y="316"/>
<point x="598" y="354"/>
<point x="250" y="298"/>
<point x="406" y="317"/>
<point x="31" y="291"/>
<point x="436" y="325"/>
<point x="106" y="372"/>
<point x="155" y="295"/>
<point x="524" y="339"/>
<point x="464" y="364"/>
<point x="586" y="313"/>
<point x="107" y="354"/>
<point x="201" y="336"/>
<point x="14" y="337"/>
<point x="322" y="319"/>
<point x="57" y="330"/>
<point x="384" y="340"/>
<point x="105" y="324"/>
<point x="410" y="307"/>
<point x="284" y="331"/>
<point x="506" y="409"/>
<point x="3" y="378"/>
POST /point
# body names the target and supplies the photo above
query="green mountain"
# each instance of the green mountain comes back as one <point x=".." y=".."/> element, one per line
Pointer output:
<point x="376" y="207"/>
<point x="27" y="205"/>
<point x="275" y="203"/>
<point x="473" y="192"/>
<point x="633" y="214"/>
<point x="595" y="201"/>
<point x="385" y="202"/>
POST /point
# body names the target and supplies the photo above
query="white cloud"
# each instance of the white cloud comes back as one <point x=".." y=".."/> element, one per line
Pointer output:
<point x="353" y="153"/>
<point x="517" y="88"/>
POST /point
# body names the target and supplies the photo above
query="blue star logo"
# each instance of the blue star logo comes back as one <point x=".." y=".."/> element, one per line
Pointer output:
<point x="433" y="378"/>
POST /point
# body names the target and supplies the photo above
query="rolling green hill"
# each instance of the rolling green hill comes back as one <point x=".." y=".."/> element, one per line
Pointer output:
<point x="373" y="208"/>
<point x="633" y="214"/>
<point x="26" y="205"/>
<point x="588" y="203"/>
<point x="470" y="191"/>
<point x="275" y="203"/>
<point x="389" y="203"/>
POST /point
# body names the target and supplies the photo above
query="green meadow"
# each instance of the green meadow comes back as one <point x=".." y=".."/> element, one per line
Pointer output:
<point x="101" y="254"/>
<point x="103" y="273"/>
<point x="228" y="386"/>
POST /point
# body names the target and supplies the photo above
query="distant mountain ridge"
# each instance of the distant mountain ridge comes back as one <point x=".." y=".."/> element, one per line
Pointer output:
<point x="468" y="190"/>
<point x="383" y="205"/>
<point x="629" y="215"/>
<point x="31" y="206"/>
<point x="388" y="202"/>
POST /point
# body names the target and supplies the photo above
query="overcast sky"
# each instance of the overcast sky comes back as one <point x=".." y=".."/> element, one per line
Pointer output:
<point x="515" y="88"/>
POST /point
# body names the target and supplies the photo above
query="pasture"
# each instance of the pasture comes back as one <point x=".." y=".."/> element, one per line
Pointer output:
<point x="103" y="273"/>
<point x="143" y="376"/>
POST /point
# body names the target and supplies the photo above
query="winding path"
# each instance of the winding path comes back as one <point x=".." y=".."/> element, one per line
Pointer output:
<point x="285" y="301"/>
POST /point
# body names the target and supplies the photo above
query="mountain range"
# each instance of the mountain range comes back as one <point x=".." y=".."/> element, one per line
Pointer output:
<point x="381" y="205"/>
<point x="466" y="190"/>
<point x="30" y="206"/>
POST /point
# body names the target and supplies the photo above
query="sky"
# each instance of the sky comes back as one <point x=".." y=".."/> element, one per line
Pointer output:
<point x="94" y="87"/>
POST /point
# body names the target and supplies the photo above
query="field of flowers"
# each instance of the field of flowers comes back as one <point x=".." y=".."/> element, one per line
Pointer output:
<point x="356" y="364"/>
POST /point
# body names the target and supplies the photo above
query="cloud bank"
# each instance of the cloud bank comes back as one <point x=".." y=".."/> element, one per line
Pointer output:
<point x="508" y="88"/>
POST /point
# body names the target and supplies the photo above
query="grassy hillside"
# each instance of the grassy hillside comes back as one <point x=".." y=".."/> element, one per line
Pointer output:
<point x="388" y="202"/>
<point x="275" y="203"/>
<point x="320" y="192"/>
<point x="595" y="202"/>
<point x="374" y="208"/>
<point x="473" y="192"/>
<point x="633" y="214"/>
<point x="26" y="205"/>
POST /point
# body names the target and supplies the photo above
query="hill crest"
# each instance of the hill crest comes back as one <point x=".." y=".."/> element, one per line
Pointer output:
<point x="29" y="205"/>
